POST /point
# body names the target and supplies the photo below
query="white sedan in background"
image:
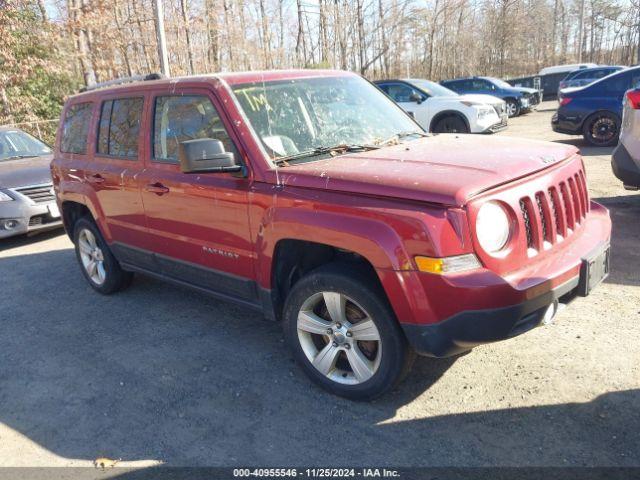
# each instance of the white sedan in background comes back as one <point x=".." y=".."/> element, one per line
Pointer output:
<point x="440" y="110"/>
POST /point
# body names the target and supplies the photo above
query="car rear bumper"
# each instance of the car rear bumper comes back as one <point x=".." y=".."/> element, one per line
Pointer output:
<point x="19" y="217"/>
<point x="452" y="314"/>
<point x="561" y="124"/>
<point x="625" y="167"/>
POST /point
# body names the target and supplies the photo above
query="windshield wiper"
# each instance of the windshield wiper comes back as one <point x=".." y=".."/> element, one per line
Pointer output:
<point x="314" y="152"/>
<point x="396" y="137"/>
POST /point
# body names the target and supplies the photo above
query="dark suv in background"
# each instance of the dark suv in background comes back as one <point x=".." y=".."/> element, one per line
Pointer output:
<point x="580" y="78"/>
<point x="518" y="99"/>
<point x="595" y="111"/>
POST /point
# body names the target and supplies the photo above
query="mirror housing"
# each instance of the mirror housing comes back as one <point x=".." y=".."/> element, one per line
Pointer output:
<point x="416" y="97"/>
<point x="206" y="155"/>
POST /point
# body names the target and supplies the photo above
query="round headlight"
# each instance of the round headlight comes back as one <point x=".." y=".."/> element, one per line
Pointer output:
<point x="492" y="227"/>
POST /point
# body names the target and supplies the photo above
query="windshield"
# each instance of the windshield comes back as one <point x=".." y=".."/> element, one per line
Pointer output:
<point x="433" y="89"/>
<point x="499" y="83"/>
<point x="18" y="144"/>
<point x="303" y="115"/>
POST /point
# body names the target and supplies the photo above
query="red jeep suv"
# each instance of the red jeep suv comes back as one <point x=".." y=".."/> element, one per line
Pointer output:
<point x="312" y="198"/>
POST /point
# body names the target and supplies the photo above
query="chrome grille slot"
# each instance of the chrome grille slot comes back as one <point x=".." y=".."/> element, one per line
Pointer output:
<point x="524" y="208"/>
<point x="38" y="193"/>
<point x="568" y="206"/>
<point x="543" y="207"/>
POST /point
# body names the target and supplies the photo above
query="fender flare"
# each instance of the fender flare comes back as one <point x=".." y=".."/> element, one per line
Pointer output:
<point x="372" y="239"/>
<point x="84" y="195"/>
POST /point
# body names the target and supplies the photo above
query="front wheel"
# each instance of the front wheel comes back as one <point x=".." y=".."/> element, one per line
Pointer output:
<point x="99" y="267"/>
<point x="601" y="129"/>
<point x="451" y="124"/>
<point x="513" y="108"/>
<point x="344" y="334"/>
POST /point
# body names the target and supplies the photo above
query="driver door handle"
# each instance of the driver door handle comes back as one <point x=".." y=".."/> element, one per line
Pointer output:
<point x="95" y="178"/>
<point x="157" y="188"/>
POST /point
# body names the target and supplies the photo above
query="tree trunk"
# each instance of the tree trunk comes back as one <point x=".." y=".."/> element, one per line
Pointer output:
<point x="185" y="20"/>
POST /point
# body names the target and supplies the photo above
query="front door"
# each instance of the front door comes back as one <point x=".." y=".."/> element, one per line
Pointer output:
<point x="198" y="222"/>
<point x="406" y="97"/>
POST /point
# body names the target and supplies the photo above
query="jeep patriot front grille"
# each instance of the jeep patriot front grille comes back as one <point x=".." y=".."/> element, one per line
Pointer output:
<point x="552" y="215"/>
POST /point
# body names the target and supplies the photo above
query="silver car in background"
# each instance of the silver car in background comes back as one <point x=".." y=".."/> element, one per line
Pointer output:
<point x="626" y="157"/>
<point x="27" y="200"/>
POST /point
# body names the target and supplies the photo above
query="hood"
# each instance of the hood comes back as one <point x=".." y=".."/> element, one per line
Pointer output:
<point x="447" y="169"/>
<point x="526" y="90"/>
<point x="25" y="171"/>
<point x="481" y="98"/>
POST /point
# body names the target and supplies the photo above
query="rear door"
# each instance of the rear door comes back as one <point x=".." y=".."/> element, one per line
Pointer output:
<point x="198" y="221"/>
<point x="118" y="165"/>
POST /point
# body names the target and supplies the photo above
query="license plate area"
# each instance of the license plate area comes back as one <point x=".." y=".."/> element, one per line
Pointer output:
<point x="594" y="270"/>
<point x="54" y="211"/>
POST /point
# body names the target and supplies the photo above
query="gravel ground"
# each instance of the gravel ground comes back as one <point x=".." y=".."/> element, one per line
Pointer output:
<point x="162" y="374"/>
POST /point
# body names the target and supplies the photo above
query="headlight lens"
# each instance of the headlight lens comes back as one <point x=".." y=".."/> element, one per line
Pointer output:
<point x="493" y="227"/>
<point x="4" y="197"/>
<point x="484" y="112"/>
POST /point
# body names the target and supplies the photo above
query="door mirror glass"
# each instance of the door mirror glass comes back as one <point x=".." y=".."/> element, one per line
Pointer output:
<point x="206" y="155"/>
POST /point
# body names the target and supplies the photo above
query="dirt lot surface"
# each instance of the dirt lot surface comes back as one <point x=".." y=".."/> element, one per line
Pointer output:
<point x="162" y="374"/>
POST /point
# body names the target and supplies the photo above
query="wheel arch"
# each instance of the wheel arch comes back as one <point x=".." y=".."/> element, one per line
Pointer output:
<point x="599" y="111"/>
<point x="449" y="113"/>
<point x="291" y="247"/>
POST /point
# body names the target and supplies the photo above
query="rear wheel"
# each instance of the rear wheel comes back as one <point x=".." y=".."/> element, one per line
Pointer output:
<point x="344" y="334"/>
<point x="513" y="108"/>
<point x="99" y="267"/>
<point x="451" y="124"/>
<point x="601" y="129"/>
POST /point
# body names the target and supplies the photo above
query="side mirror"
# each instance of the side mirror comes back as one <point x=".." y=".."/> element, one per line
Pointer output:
<point x="206" y="155"/>
<point x="416" y="97"/>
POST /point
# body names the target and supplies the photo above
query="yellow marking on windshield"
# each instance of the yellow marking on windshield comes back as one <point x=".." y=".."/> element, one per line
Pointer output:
<point x="256" y="101"/>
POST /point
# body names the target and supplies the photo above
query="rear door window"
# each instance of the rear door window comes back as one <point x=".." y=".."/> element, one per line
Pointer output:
<point x="75" y="128"/>
<point x="119" y="127"/>
<point x="177" y="119"/>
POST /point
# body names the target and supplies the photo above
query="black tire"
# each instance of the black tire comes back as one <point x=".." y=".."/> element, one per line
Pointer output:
<point x="395" y="356"/>
<point x="513" y="108"/>
<point x="451" y="124"/>
<point x="602" y="129"/>
<point x="115" y="278"/>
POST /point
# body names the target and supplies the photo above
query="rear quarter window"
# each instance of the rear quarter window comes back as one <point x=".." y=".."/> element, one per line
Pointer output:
<point x="75" y="128"/>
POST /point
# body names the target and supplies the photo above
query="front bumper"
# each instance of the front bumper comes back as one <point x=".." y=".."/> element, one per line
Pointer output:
<point x="497" y="127"/>
<point x="28" y="217"/>
<point x="468" y="329"/>
<point x="625" y="167"/>
<point x="447" y="315"/>
<point x="490" y="123"/>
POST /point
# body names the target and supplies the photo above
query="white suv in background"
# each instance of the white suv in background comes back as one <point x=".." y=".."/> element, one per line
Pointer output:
<point x="440" y="110"/>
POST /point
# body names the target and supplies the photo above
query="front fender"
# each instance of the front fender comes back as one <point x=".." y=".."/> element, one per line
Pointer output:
<point x="372" y="239"/>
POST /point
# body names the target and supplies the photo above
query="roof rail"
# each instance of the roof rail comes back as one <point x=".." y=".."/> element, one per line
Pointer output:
<point x="120" y="81"/>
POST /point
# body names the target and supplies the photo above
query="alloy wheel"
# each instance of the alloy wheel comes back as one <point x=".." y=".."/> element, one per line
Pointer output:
<point x="603" y="130"/>
<point x="512" y="109"/>
<point x="339" y="338"/>
<point x="92" y="256"/>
